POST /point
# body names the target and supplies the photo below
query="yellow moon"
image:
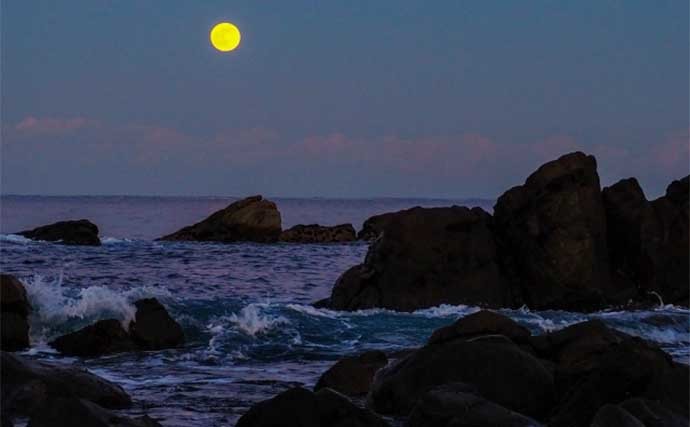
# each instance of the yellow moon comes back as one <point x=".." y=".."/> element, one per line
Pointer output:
<point x="225" y="37"/>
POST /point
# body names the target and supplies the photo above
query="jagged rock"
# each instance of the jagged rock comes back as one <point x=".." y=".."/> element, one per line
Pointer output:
<point x="552" y="233"/>
<point x="253" y="219"/>
<point x="458" y="405"/>
<point x="352" y="376"/>
<point x="374" y="226"/>
<point x="153" y="328"/>
<point x="499" y="370"/>
<point x="14" y="313"/>
<point x="27" y="384"/>
<point x="425" y="258"/>
<point x="481" y="323"/>
<point x="80" y="232"/>
<point x="71" y="412"/>
<point x="298" y="407"/>
<point x="315" y="233"/>
<point x="103" y="337"/>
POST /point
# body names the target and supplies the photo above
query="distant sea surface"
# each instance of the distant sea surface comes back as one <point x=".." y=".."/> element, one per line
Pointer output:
<point x="251" y="331"/>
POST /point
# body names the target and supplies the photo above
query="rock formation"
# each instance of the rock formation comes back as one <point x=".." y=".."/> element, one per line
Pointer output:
<point x="315" y="233"/>
<point x="80" y="232"/>
<point x="14" y="314"/>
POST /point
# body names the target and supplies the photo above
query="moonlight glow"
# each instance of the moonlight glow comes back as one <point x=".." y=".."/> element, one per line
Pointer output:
<point x="225" y="37"/>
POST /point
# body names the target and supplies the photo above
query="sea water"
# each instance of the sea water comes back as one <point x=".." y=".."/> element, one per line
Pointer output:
<point x="246" y="308"/>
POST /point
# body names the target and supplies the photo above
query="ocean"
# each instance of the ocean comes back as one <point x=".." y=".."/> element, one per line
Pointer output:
<point x="246" y="308"/>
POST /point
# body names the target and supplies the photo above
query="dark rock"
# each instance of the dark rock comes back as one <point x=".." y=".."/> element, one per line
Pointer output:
<point x="80" y="232"/>
<point x="153" y="328"/>
<point x="498" y="369"/>
<point x="298" y="407"/>
<point x="27" y="384"/>
<point x="315" y="233"/>
<point x="352" y="376"/>
<point x="14" y="313"/>
<point x="456" y="405"/>
<point x="552" y="231"/>
<point x="629" y="369"/>
<point x="615" y="416"/>
<point x="653" y="414"/>
<point x="427" y="257"/>
<point x="71" y="412"/>
<point x="481" y="323"/>
<point x="103" y="337"/>
<point x="374" y="226"/>
<point x="253" y="219"/>
<point x="648" y="241"/>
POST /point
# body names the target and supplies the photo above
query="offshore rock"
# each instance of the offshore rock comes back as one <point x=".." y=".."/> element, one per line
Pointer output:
<point x="315" y="233"/>
<point x="101" y="338"/>
<point x="80" y="232"/>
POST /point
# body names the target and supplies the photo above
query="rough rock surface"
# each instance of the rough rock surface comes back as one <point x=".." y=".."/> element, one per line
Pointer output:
<point x="14" y="313"/>
<point x="79" y="232"/>
<point x="353" y="375"/>
<point x="374" y="226"/>
<point x="315" y="233"/>
<point x="427" y="257"/>
<point x="253" y="219"/>
<point x="71" y="412"/>
<point x="153" y="328"/>
<point x="552" y="231"/>
<point x="103" y="337"/>
<point x="26" y="385"/>
<point x="458" y="405"/>
<point x="298" y="407"/>
<point x="483" y="322"/>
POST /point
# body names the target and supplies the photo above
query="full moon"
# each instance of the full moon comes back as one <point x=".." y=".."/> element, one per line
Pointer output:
<point x="225" y="37"/>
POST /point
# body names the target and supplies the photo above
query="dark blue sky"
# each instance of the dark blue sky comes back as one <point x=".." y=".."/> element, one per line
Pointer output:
<point x="356" y="98"/>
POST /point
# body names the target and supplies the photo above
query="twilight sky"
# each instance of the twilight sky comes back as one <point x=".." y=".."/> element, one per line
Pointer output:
<point x="345" y="99"/>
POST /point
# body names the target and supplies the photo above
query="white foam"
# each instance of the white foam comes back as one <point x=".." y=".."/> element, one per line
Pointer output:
<point x="114" y="241"/>
<point x="250" y="320"/>
<point x="14" y="238"/>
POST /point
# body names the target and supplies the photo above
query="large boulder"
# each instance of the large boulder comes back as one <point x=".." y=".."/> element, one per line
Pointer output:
<point x="498" y="369"/>
<point x="103" y="337"/>
<point x="298" y="407"/>
<point x="153" y="328"/>
<point x="614" y="416"/>
<point x="374" y="226"/>
<point x="483" y="322"/>
<point x="71" y="412"/>
<point x="27" y="384"/>
<point x="552" y="232"/>
<point x="426" y="257"/>
<point x="353" y="375"/>
<point x="14" y="313"/>
<point x="648" y="241"/>
<point x="79" y="232"/>
<point x="459" y="405"/>
<point x="315" y="233"/>
<point x="253" y="219"/>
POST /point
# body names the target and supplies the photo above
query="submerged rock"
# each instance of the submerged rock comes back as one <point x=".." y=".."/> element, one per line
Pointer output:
<point x="298" y="407"/>
<point x="315" y="233"/>
<point x="103" y="337"/>
<point x="253" y="219"/>
<point x="71" y="412"/>
<point x="424" y="258"/>
<point x="459" y="405"/>
<point x="14" y="314"/>
<point x="80" y="232"/>
<point x="153" y="328"/>
<point x="26" y="385"/>
<point x="353" y="375"/>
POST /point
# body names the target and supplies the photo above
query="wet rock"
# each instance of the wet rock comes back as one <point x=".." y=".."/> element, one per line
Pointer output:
<point x="481" y="323"/>
<point x="374" y="226"/>
<point x="552" y="233"/>
<point x="458" y="405"/>
<point x="315" y="233"/>
<point x="153" y="328"/>
<point x="352" y="376"/>
<point x="427" y="257"/>
<point x="70" y="412"/>
<point x="253" y="219"/>
<point x="632" y="368"/>
<point x="499" y="370"/>
<point x="80" y="232"/>
<point x="14" y="313"/>
<point x="653" y="414"/>
<point x="615" y="416"/>
<point x="298" y="407"/>
<point x="27" y="384"/>
<point x="103" y="337"/>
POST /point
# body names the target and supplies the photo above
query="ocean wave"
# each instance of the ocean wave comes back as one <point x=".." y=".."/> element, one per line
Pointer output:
<point x="14" y="238"/>
<point x="115" y="241"/>
<point x="251" y="320"/>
